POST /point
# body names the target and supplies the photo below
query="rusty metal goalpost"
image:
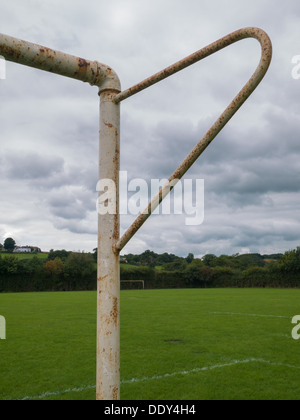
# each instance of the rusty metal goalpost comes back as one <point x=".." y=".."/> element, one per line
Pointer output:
<point x="109" y="242"/>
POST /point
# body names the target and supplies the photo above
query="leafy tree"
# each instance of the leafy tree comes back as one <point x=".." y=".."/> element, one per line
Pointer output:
<point x="61" y="254"/>
<point x="148" y="258"/>
<point x="192" y="272"/>
<point x="79" y="265"/>
<point x="210" y="260"/>
<point x="224" y="277"/>
<point x="179" y="264"/>
<point x="290" y="262"/>
<point x="165" y="258"/>
<point x="223" y="261"/>
<point x="2" y="265"/>
<point x="34" y="265"/>
<point x="255" y="277"/>
<point x="249" y="260"/>
<point x="54" y="267"/>
<point x="9" y="244"/>
<point x="151" y="259"/>
<point x="190" y="258"/>
<point x="205" y="276"/>
<point x="11" y="265"/>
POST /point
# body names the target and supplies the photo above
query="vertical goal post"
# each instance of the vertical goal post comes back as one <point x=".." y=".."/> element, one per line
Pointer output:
<point x="109" y="242"/>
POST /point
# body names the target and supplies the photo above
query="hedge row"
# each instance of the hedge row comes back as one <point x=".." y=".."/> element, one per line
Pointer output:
<point x="219" y="277"/>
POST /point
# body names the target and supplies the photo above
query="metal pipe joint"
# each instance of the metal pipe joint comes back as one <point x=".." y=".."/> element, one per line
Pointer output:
<point x="43" y="58"/>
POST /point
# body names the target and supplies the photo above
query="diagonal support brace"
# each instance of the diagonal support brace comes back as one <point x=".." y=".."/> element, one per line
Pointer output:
<point x="235" y="105"/>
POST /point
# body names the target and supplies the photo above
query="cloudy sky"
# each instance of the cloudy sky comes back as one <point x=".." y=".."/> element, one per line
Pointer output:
<point x="49" y="124"/>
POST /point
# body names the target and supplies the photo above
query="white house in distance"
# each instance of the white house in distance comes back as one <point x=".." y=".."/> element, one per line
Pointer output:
<point x="22" y="250"/>
<point x="26" y="249"/>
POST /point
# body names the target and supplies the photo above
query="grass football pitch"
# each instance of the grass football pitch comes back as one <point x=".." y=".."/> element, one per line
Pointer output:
<point x="197" y="344"/>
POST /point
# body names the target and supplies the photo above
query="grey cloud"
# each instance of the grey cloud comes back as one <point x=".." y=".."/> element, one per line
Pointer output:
<point x="71" y="203"/>
<point x="73" y="175"/>
<point x="255" y="177"/>
<point x="30" y="166"/>
<point x="251" y="169"/>
<point x="49" y="172"/>
<point x="80" y="227"/>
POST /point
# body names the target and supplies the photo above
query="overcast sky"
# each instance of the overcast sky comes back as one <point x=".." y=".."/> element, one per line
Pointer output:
<point x="49" y="124"/>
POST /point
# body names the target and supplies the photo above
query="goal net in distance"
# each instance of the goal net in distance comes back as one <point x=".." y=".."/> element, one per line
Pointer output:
<point x="132" y="284"/>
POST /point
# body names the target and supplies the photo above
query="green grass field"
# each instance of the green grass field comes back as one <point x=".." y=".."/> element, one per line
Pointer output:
<point x="42" y="256"/>
<point x="217" y="344"/>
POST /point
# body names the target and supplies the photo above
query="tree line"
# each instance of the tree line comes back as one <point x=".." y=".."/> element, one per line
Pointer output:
<point x="59" y="271"/>
<point x="247" y="270"/>
<point x="64" y="271"/>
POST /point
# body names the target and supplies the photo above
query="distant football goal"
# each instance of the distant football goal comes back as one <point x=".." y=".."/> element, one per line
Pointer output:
<point x="132" y="284"/>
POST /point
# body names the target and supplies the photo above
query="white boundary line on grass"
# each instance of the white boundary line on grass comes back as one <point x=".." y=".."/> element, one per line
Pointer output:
<point x="166" y="375"/>
<point x="255" y="315"/>
<point x="57" y="393"/>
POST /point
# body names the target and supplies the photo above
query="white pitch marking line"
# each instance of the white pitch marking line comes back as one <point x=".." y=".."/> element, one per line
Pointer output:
<point x="166" y="375"/>
<point x="255" y="315"/>
<point x="56" y="393"/>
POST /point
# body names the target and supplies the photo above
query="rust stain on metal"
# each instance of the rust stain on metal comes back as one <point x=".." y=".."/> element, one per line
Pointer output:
<point x="99" y="394"/>
<point x="115" y="393"/>
<point x="47" y="51"/>
<point x="114" y="314"/>
<point x="83" y="63"/>
<point x="116" y="234"/>
<point x="103" y="278"/>
<point x="43" y="58"/>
